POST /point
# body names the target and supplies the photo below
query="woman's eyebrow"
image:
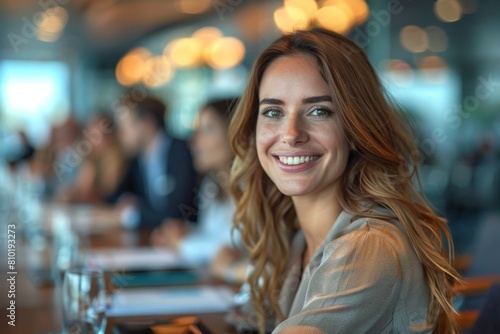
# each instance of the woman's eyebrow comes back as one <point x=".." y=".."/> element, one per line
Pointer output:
<point x="316" y="99"/>
<point x="271" y="101"/>
<point x="307" y="100"/>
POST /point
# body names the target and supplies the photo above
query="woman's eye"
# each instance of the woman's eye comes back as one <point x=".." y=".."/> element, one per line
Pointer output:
<point x="272" y="113"/>
<point x="321" y="112"/>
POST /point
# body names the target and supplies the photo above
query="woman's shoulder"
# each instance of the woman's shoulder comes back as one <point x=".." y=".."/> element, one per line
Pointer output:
<point x="356" y="226"/>
<point x="364" y="234"/>
<point x="387" y="229"/>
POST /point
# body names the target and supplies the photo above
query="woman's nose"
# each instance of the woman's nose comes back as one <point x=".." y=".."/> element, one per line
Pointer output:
<point x="294" y="132"/>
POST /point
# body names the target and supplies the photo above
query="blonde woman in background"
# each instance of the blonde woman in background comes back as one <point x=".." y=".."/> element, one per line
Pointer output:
<point x="101" y="169"/>
<point x="339" y="239"/>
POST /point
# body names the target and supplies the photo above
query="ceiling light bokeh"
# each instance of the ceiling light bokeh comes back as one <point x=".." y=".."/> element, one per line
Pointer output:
<point x="158" y="71"/>
<point x="184" y="52"/>
<point x="335" y="18"/>
<point x="434" y="69"/>
<point x="336" y="15"/>
<point x="130" y="69"/>
<point x="309" y="7"/>
<point x="289" y="18"/>
<point x="193" y="6"/>
<point x="414" y="39"/>
<point x="207" y="35"/>
<point x="448" y="10"/>
<point x="361" y="11"/>
<point x="51" y="24"/>
<point x="401" y="72"/>
<point x="438" y="40"/>
<point x="225" y="53"/>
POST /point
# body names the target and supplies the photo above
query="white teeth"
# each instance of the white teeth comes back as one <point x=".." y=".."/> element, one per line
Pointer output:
<point x="297" y="160"/>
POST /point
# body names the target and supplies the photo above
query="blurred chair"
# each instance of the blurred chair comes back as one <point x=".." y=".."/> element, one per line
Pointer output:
<point x="486" y="259"/>
<point x="489" y="317"/>
<point x="481" y="271"/>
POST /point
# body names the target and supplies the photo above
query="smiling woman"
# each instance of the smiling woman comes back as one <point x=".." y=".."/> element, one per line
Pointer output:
<point x="323" y="180"/>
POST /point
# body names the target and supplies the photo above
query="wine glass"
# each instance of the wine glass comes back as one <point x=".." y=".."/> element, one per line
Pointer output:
<point x="84" y="301"/>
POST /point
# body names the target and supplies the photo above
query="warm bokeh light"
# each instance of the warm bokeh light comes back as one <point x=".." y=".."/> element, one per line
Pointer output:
<point x="400" y="72"/>
<point x="207" y="45"/>
<point x="468" y="6"/>
<point x="434" y="69"/>
<point x="361" y="11"/>
<point x="289" y="19"/>
<point x="207" y="35"/>
<point x="51" y="24"/>
<point x="225" y="53"/>
<point x="309" y="7"/>
<point x="336" y="18"/>
<point x="130" y="69"/>
<point x="448" y="10"/>
<point x="438" y="41"/>
<point x="344" y="5"/>
<point x="414" y="39"/>
<point x="254" y="22"/>
<point x="184" y="52"/>
<point x="432" y="62"/>
<point x="193" y="6"/>
<point x="158" y="71"/>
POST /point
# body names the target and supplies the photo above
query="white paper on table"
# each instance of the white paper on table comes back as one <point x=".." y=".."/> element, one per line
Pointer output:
<point x="144" y="258"/>
<point x="171" y="301"/>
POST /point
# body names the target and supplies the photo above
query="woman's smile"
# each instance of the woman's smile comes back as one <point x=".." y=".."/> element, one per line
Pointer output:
<point x="296" y="162"/>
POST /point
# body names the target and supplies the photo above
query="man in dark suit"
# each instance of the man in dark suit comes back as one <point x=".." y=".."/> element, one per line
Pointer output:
<point x="160" y="180"/>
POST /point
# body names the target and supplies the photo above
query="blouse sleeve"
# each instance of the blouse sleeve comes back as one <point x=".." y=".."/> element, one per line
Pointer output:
<point x="355" y="288"/>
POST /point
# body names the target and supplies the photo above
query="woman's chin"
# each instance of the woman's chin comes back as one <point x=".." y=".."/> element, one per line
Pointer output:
<point x="291" y="190"/>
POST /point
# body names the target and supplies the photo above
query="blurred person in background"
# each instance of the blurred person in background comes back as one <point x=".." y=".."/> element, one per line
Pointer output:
<point x="58" y="162"/>
<point x="161" y="179"/>
<point x="17" y="163"/>
<point x="102" y="168"/>
<point x="210" y="240"/>
<point x="475" y="178"/>
<point x="18" y="151"/>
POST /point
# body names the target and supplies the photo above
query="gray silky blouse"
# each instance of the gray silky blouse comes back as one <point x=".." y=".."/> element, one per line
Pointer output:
<point x="364" y="278"/>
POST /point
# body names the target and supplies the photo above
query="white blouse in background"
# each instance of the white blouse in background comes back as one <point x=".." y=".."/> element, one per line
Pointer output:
<point x="213" y="230"/>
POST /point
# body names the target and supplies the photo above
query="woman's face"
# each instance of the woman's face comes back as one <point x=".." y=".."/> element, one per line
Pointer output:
<point x="300" y="142"/>
<point x="209" y="145"/>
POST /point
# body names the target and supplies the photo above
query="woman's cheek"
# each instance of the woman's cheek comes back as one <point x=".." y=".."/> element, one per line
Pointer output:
<point x="266" y="134"/>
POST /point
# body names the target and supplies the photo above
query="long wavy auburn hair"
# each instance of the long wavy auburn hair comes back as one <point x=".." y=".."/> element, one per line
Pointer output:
<point x="381" y="171"/>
